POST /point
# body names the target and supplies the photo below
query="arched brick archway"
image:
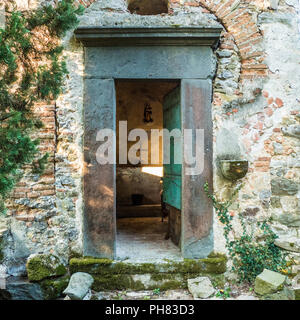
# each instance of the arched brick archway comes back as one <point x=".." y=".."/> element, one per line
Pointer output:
<point x="238" y="19"/>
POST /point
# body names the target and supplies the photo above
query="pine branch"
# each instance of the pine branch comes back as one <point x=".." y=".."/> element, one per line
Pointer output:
<point x="31" y="71"/>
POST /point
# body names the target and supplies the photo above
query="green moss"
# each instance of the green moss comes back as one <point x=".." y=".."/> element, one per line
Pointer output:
<point x="137" y="285"/>
<point x="44" y="266"/>
<point x="169" y="281"/>
<point x="172" y="285"/>
<point x="114" y="281"/>
<point x="215" y="264"/>
<point x="53" y="288"/>
<point x="161" y="276"/>
<point x="210" y="265"/>
<point x="125" y="281"/>
<point x="89" y="265"/>
<point x="107" y="266"/>
<point x="91" y="260"/>
<point x="142" y="268"/>
<point x="114" y="275"/>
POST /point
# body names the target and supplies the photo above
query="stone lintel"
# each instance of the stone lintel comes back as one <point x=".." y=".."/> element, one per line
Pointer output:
<point x="152" y="36"/>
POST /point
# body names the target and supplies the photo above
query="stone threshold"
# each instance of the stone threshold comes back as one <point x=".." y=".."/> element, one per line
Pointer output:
<point x="163" y="274"/>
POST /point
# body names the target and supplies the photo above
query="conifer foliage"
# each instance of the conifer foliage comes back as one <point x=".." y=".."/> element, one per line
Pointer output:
<point x="32" y="69"/>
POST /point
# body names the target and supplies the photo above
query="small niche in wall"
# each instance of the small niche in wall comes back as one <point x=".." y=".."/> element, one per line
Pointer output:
<point x="148" y="7"/>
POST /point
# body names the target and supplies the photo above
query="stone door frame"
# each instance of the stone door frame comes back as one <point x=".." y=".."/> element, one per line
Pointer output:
<point x="158" y="53"/>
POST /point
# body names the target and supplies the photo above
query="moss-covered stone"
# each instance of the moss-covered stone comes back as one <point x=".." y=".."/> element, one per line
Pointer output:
<point x="89" y="265"/>
<point x="53" y="288"/>
<point x="269" y="282"/>
<point x="172" y="285"/>
<point x="43" y="266"/>
<point x="113" y="282"/>
<point x="285" y="294"/>
<point x="140" y="282"/>
<point x="167" y="274"/>
<point x="215" y="264"/>
<point x="163" y="281"/>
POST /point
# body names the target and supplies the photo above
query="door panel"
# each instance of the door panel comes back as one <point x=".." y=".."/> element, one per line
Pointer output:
<point x="99" y="180"/>
<point x="172" y="171"/>
<point x="197" y="210"/>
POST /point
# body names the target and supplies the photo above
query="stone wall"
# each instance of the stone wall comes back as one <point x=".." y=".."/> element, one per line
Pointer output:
<point x="256" y="107"/>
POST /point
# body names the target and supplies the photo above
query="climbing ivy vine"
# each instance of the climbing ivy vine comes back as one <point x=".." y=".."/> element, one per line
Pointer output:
<point x="32" y="69"/>
<point x="249" y="257"/>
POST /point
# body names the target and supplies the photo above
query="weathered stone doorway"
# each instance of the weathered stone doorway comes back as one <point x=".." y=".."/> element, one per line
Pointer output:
<point x="143" y="232"/>
<point x="146" y="53"/>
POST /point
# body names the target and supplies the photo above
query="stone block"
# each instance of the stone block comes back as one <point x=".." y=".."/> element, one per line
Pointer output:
<point x="201" y="287"/>
<point x="269" y="282"/>
<point x="213" y="264"/>
<point x="175" y="62"/>
<point x="79" y="285"/>
<point x="42" y="266"/>
<point x="288" y="243"/>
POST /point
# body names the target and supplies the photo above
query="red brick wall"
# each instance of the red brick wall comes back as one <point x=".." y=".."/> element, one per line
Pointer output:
<point x="27" y="188"/>
<point x="240" y="23"/>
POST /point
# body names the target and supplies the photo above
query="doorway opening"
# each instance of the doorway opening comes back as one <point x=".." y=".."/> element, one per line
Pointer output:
<point x="147" y="203"/>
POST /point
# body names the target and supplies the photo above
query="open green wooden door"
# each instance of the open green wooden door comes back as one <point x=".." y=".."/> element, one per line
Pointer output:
<point x="172" y="171"/>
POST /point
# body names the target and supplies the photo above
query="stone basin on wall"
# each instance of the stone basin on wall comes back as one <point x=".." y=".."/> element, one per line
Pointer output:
<point x="234" y="169"/>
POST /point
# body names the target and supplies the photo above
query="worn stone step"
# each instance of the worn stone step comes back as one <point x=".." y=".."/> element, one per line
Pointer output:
<point x="164" y="274"/>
